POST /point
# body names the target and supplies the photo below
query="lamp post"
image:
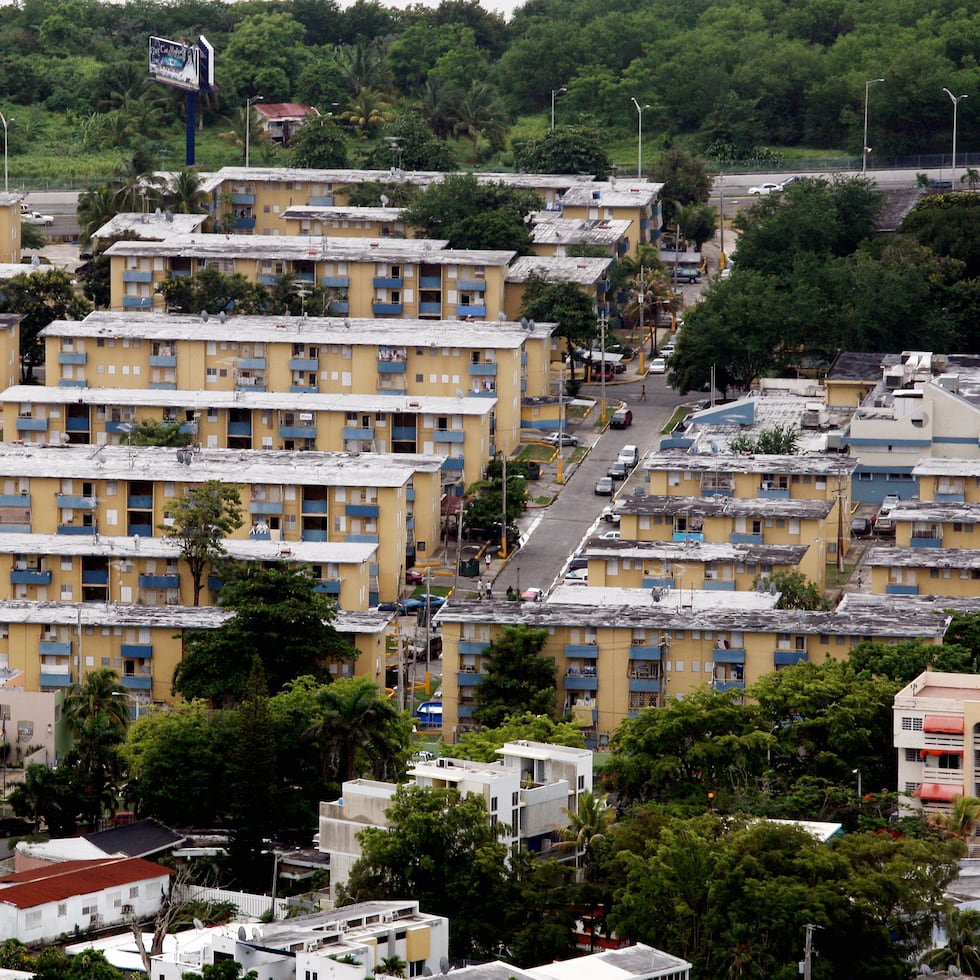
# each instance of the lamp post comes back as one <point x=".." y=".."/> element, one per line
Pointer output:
<point x="554" y="92"/>
<point x="857" y="772"/>
<point x="4" y="120"/>
<point x="248" y="123"/>
<point x="955" y="99"/>
<point x="865" y="149"/>
<point x="639" y="135"/>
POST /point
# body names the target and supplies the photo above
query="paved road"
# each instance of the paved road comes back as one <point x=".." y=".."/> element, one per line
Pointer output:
<point x="555" y="532"/>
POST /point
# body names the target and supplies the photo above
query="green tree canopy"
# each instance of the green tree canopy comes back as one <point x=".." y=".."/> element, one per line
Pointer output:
<point x="517" y="679"/>
<point x="482" y="745"/>
<point x="319" y="145"/>
<point x="566" y="304"/>
<point x="564" y="150"/>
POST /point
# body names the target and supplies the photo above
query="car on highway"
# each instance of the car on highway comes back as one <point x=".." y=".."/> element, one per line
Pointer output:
<point x="685" y="275"/>
<point x="761" y="189"/>
<point x="618" y="470"/>
<point x="658" y="366"/>
<point x="36" y="218"/>
<point x="563" y="438"/>
<point x="604" y="486"/>
<point x="622" y="419"/>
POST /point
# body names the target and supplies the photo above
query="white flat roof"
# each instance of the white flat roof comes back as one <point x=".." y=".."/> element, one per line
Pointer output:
<point x="585" y="271"/>
<point x="151" y="225"/>
<point x="691" y="600"/>
<point x="348" y="212"/>
<point x="269" y="400"/>
<point x="352" y="331"/>
<point x="256" y="466"/>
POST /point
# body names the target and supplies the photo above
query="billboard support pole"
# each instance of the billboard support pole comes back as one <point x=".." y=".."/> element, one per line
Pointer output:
<point x="190" y="131"/>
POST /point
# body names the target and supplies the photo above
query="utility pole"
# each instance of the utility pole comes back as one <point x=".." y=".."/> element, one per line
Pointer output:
<point x="808" y="951"/>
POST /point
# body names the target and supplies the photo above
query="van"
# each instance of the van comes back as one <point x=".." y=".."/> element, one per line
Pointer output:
<point x="629" y="455"/>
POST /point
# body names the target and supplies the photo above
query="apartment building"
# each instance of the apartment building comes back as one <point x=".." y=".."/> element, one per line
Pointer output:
<point x="10" y="223"/>
<point x="926" y="524"/>
<point x="526" y="792"/>
<point x="391" y="501"/>
<point x="924" y="570"/>
<point x="555" y="235"/>
<point x="614" y="660"/>
<point x="947" y="480"/>
<point x="461" y="429"/>
<point x="344" y="222"/>
<point x="367" y="277"/>
<point x="149" y="225"/>
<point x="589" y="274"/>
<point x="636" y="201"/>
<point x="722" y="567"/>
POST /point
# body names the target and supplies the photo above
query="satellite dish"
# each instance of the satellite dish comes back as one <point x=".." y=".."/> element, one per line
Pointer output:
<point x="204" y="315"/>
<point x="524" y="322"/>
<point x="35" y="262"/>
<point x="384" y="200"/>
<point x="426" y="971"/>
<point x="241" y="933"/>
<point x="460" y="393"/>
<point x="222" y="316"/>
<point x="256" y="933"/>
<point x="772" y="588"/>
<point x="501" y="316"/>
<point x="198" y="924"/>
<point x="443" y="965"/>
<point x="347" y="323"/>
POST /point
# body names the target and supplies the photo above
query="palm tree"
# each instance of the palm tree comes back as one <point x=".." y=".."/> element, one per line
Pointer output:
<point x="363" y="66"/>
<point x="140" y="187"/>
<point x="587" y="825"/>
<point x="367" y="110"/>
<point x="971" y="177"/>
<point x="962" y="947"/>
<point x="480" y="113"/>
<point x="961" y="821"/>
<point x="96" y="206"/>
<point x="393" y="966"/>
<point x="100" y="699"/>
<point x="186" y="194"/>
<point x="244" y="124"/>
<point x="439" y="99"/>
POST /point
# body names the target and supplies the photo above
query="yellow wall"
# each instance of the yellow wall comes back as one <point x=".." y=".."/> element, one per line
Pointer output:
<point x="10" y="228"/>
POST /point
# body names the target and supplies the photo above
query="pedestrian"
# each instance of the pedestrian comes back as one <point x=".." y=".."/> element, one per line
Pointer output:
<point x="488" y="558"/>
<point x="489" y="590"/>
<point x="643" y="393"/>
<point x="860" y="579"/>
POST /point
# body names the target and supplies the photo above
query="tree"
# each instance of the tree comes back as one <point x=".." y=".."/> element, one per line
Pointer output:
<point x="795" y="592"/>
<point x="696" y="223"/>
<point x="479" y="112"/>
<point x="517" y="679"/>
<point x="777" y="440"/>
<point x="31" y="236"/>
<point x="40" y="297"/>
<point x="150" y="432"/>
<point x="903" y="662"/>
<point x="474" y="214"/>
<point x="100" y="699"/>
<point x="186" y="193"/>
<point x="945" y="223"/>
<point x="367" y="111"/>
<point x="90" y="964"/>
<point x="319" y="145"/>
<point x="278" y="615"/>
<point x="563" y="150"/>
<point x="962" y="949"/>
<point x="587" y="825"/>
<point x="211" y="291"/>
<point x="198" y="522"/>
<point x="359" y="731"/>
<point x="439" y="848"/>
<point x="566" y="304"/>
<point x="96" y="206"/>
<point x="406" y="143"/>
<point x="245" y="127"/>
<point x="47" y="796"/>
<point x="685" y="178"/>
<point x="482" y="745"/>
<point x="962" y="818"/>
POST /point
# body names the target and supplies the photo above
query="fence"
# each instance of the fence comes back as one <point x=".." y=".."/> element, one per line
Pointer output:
<point x="253" y="906"/>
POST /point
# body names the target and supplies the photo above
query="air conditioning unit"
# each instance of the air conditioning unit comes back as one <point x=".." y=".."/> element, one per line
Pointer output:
<point x="50" y="637"/>
<point x="388" y="917"/>
<point x="128" y="910"/>
<point x="306" y="416"/>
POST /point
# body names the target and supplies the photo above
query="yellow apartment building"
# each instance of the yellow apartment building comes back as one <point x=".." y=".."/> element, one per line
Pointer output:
<point x="853" y="375"/>
<point x="148" y="571"/>
<point x="10" y="226"/>
<point x="367" y="277"/>
<point x="613" y="661"/>
<point x="391" y="501"/>
<point x="501" y="361"/>
<point x="624" y="564"/>
<point x="636" y="201"/>
<point x="461" y="429"/>
<point x="947" y="480"/>
<point x="556" y="236"/>
<point x="760" y="477"/>
<point x="718" y="519"/>
<point x="344" y="222"/>
<point x="924" y="571"/>
<point x="10" y="348"/>
<point x="56" y="644"/>
<point x="924" y="524"/>
<point x="590" y="275"/>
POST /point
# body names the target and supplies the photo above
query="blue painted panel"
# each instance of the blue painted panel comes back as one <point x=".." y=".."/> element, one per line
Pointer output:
<point x="77" y="423"/>
<point x="664" y="582"/>
<point x="159" y="581"/>
<point x="387" y="309"/>
<point x="786" y="658"/>
<point x="472" y="285"/>
<point x="251" y="363"/>
<point x="266" y="280"/>
<point x="80" y="383"/>
<point x="581" y="683"/>
<point x="466" y="710"/>
<point x="729" y="685"/>
<point x="582" y="651"/>
<point x="297" y="431"/>
<point x="163" y="360"/>
<point x="186" y="429"/>
<point x="480" y="312"/>
<point x="466" y="679"/>
<point x="895" y="589"/>
<point x="355" y="432"/>
<point x="136" y="530"/>
<point x="430" y="282"/>
<point x="410" y="493"/>
<point x="481" y="394"/>
<point x="55" y="680"/>
<point x="75" y="530"/>
<point x="392" y="367"/>
<point x="403" y="433"/>
<point x="304" y="364"/>
<point x="444" y="435"/>
<point x="950" y="498"/>
<point x="362" y="538"/>
<point x="773" y="494"/>
<point x="215" y="583"/>
<point x="91" y="576"/>
<point x="117" y="427"/>
<point x="716" y="492"/>
<point x="926" y="542"/>
<point x="454" y="464"/>
<point x="483" y="369"/>
<point x="136" y="651"/>
<point x="305" y="277"/>
<point x="647" y="684"/>
<point x="15" y="528"/>
<point x="309" y="535"/>
<point x="303" y="389"/>
<point x="51" y="648"/>
<point x="32" y="425"/>
<point x="137" y="302"/>
<point x="140" y="501"/>
<point x="15" y="500"/>
<point x="473" y="646"/>
<point x="136" y="683"/>
<point x="728" y="656"/>
<point x="327" y="588"/>
<point x="336" y="282"/>
<point x="744" y="538"/>
<point x="314" y="507"/>
<point x="687" y="536"/>
<point x="321" y="200"/>
<point x="645" y="653"/>
<point x="388" y="282"/>
<point x="240" y="428"/>
<point x="710" y="585"/>
<point x="239" y="197"/>
<point x="362" y="510"/>
<point x="134" y="275"/>
<point x="430" y="309"/>
<point x="163" y="385"/>
<point x="265" y="507"/>
<point x="75" y="501"/>
<point x="339" y="306"/>
<point x="28" y="576"/>
<point x="248" y="386"/>
<point x="72" y="358"/>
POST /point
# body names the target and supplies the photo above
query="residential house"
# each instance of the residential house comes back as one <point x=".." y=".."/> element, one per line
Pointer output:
<point x="553" y="234"/>
<point x="917" y="570"/>
<point x="280" y="120"/>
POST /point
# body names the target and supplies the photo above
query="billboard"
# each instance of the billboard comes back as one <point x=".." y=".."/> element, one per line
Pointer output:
<point x="174" y="63"/>
<point x="206" y="63"/>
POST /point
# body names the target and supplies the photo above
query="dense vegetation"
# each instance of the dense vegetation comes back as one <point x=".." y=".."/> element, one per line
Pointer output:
<point x="732" y="80"/>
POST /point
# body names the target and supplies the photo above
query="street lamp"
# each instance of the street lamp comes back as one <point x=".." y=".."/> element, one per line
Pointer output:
<point x="554" y="92"/>
<point x="3" y="119"/>
<point x="865" y="149"/>
<point x="639" y="135"/>
<point x="248" y="122"/>
<point x="857" y="772"/>
<point x="955" y="99"/>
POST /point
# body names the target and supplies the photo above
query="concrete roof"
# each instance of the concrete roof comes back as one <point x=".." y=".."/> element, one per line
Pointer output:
<point x="881" y="620"/>
<point x="151" y="225"/>
<point x="945" y="466"/>
<point x="884" y="557"/>
<point x="268" y="400"/>
<point x="859" y="366"/>
<point x="912" y="606"/>
<point x="674" y="598"/>
<point x="551" y="228"/>
<point x="256" y="466"/>
<point x="373" y="332"/>
<point x="694" y="551"/>
<point x="585" y="271"/>
<point x="719" y="505"/>
<point x="818" y="465"/>
<point x="348" y="212"/>
<point x="612" y="193"/>
<point x="935" y="512"/>
<point x="638" y="962"/>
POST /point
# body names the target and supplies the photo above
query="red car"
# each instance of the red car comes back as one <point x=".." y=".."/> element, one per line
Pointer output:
<point x="413" y="577"/>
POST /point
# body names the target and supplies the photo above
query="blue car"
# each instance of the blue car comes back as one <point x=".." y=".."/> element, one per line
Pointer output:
<point x="414" y="603"/>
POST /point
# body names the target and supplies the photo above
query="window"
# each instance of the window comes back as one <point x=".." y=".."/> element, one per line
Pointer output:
<point x="910" y="724"/>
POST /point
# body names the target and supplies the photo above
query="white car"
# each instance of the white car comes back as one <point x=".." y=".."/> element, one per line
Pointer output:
<point x="761" y="189"/>
<point x="658" y="366"/>
<point x="36" y="218"/>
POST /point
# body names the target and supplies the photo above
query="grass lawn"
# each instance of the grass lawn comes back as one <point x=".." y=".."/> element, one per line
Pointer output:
<point x="574" y="411"/>
<point x="679" y="413"/>
<point x="536" y="452"/>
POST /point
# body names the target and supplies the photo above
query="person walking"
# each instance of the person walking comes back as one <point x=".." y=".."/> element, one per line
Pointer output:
<point x="643" y="393"/>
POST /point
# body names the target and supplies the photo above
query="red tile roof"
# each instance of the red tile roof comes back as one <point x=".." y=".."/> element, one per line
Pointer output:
<point x="283" y="110"/>
<point x="56" y="882"/>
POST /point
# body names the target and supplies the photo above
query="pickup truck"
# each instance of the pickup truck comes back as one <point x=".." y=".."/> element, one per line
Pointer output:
<point x="36" y="218"/>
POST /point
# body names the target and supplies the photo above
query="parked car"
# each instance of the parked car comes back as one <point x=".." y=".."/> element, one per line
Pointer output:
<point x="395" y="607"/>
<point x="622" y="419"/>
<point x="566" y="439"/>
<point x="577" y="563"/>
<point x="860" y="527"/>
<point x="579" y="577"/>
<point x="619" y="367"/>
<point x="658" y="366"/>
<point x="414" y="577"/>
<point x="416" y="602"/>
<point x="604" y="486"/>
<point x="618" y="470"/>
<point x="611" y="516"/>
<point x="600" y="369"/>
<point x="533" y="595"/>
<point x="667" y="351"/>
<point x="685" y="275"/>
<point x="609" y="536"/>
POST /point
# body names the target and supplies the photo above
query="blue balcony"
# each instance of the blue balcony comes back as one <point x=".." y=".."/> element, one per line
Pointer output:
<point x="687" y="536"/>
<point x="356" y="432"/>
<point x="950" y="498"/>
<point x="66" y="357"/>
<point x="773" y="493"/>
<point x="314" y="535"/>
<point x="304" y="277"/>
<point x="786" y="658"/>
<point x="925" y="541"/>
<point x="454" y="464"/>
<point x="388" y="282"/>
<point x="321" y="201"/>
<point x="215" y="583"/>
<point x="403" y="433"/>
<point x="489" y="369"/>
<point x="74" y="501"/>
<point x="338" y="306"/>
<point x="744" y="538"/>
<point x="137" y="303"/>
<point x="430" y="282"/>
<point x="118" y="427"/>
<point x="140" y="501"/>
<point x="314" y="507"/>
<point x="580" y="682"/>
<point x="136" y="651"/>
<point x="623" y="246"/>
<point x="716" y="491"/>
<point x="75" y="530"/>
<point x="717" y="585"/>
<point x="55" y="679"/>
<point x="392" y="367"/>
<point x="135" y="275"/>
<point x="187" y="429"/>
<point x="468" y="678"/>
<point x="72" y="383"/>
<point x="410" y="493"/>
<point x="387" y="309"/>
<point x="250" y="384"/>
<point x="466" y="710"/>
<point x="95" y="576"/>
<point x="730" y="656"/>
<point x="645" y="684"/>
<point x="483" y="393"/>
<point x="159" y="581"/>
<point x="77" y="423"/>
<point x="52" y="648"/>
<point x="15" y="500"/>
<point x="477" y="312"/>
<point x="328" y="588"/>
<point x="163" y="360"/>
<point x="582" y="651"/>
<point x="15" y="528"/>
<point x="136" y="530"/>
<point x="32" y="425"/>
<point x="240" y="428"/>
<point x="250" y="363"/>
<point x="730" y="685"/>
<point x="448" y="435"/>
<point x="266" y="279"/>
<point x="297" y="431"/>
<point x="29" y="576"/>
<point x="336" y="282"/>
<point x="133" y="683"/>
<point x="645" y="653"/>
<point x="362" y="538"/>
<point x="362" y="510"/>
<point x="304" y="364"/>
<point x="162" y="385"/>
<point x="472" y="285"/>
<point x="475" y="647"/>
<point x="602" y="287"/>
<point x="303" y="389"/>
<point x="430" y="309"/>
<point x="265" y="507"/>
<point x="893" y="588"/>
<point x="239" y="197"/>
<point x="663" y="582"/>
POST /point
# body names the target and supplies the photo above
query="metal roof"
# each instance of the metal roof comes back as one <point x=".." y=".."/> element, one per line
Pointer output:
<point x="884" y="557"/>
<point x="720" y="505"/>
<point x="584" y="271"/>
<point x="833" y="465"/>
<point x="695" y="551"/>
